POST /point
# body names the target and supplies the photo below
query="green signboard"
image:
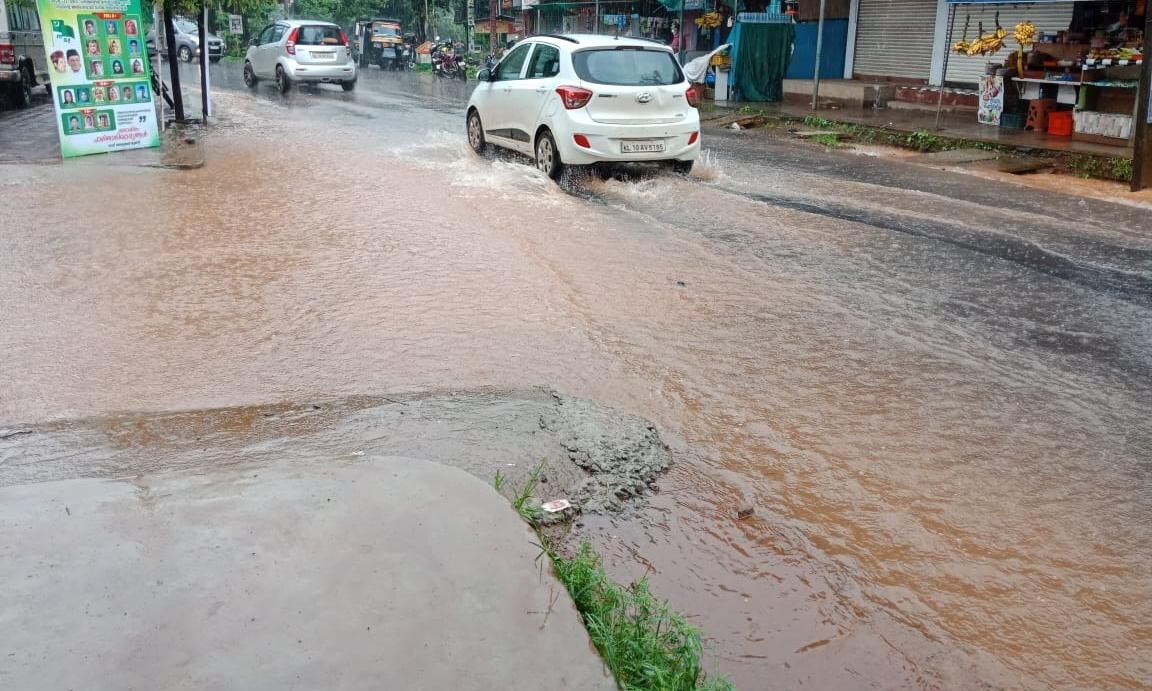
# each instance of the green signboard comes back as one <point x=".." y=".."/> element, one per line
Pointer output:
<point x="101" y="78"/>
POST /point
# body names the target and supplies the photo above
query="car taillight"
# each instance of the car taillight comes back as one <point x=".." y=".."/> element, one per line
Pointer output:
<point x="291" y="45"/>
<point x="343" y="38"/>
<point x="692" y="139"/>
<point x="573" y="97"/>
<point x="7" y="54"/>
<point x="581" y="140"/>
<point x="692" y="96"/>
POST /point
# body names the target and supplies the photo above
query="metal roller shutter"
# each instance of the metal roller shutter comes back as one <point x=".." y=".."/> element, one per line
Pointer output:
<point x="1048" y="18"/>
<point x="894" y="38"/>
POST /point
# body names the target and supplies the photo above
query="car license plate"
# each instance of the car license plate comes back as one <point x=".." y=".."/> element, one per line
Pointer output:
<point x="642" y="147"/>
<point x="324" y="56"/>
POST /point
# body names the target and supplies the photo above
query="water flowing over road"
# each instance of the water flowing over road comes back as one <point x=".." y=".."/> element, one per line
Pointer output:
<point x="934" y="390"/>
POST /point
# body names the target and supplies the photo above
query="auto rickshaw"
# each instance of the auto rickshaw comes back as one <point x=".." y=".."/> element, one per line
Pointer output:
<point x="380" y="42"/>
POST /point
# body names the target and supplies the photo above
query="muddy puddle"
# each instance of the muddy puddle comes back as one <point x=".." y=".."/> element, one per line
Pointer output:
<point x="946" y="447"/>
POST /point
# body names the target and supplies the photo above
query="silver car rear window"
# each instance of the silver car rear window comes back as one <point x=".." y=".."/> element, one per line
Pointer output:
<point x="627" y="66"/>
<point x="318" y="36"/>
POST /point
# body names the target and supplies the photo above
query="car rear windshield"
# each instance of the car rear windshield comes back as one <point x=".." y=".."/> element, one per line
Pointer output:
<point x="319" y="36"/>
<point x="627" y="66"/>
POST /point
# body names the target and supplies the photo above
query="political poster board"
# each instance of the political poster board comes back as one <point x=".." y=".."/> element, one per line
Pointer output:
<point x="100" y="75"/>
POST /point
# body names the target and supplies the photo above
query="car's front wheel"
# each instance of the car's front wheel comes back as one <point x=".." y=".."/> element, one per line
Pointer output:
<point x="548" y="156"/>
<point x="185" y="53"/>
<point x="250" y="76"/>
<point x="283" y="84"/>
<point x="476" y="133"/>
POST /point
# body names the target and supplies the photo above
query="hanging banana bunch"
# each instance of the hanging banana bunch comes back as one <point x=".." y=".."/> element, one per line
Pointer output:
<point x="988" y="44"/>
<point x="961" y="46"/>
<point x="1025" y="35"/>
<point x="710" y="20"/>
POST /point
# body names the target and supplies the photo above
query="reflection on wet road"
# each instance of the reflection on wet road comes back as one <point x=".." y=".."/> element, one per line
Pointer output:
<point x="935" y="391"/>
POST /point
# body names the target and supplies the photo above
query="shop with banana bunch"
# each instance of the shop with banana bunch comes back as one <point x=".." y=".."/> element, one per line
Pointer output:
<point x="1061" y="68"/>
<point x="1074" y="73"/>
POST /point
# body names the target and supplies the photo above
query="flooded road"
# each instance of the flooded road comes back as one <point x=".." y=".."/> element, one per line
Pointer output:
<point x="934" y="390"/>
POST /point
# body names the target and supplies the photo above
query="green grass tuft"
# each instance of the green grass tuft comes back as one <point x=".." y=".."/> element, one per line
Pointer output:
<point x="647" y="646"/>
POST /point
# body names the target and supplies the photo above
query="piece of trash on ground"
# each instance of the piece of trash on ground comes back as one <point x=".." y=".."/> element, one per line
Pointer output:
<point x="556" y="505"/>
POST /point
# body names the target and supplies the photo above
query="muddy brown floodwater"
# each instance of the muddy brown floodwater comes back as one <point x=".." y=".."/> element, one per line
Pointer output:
<point x="947" y="452"/>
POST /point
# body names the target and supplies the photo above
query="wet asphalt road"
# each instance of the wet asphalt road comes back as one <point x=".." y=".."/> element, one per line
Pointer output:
<point x="933" y="388"/>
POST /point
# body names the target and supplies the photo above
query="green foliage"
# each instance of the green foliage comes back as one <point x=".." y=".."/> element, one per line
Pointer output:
<point x="1104" y="168"/>
<point x="922" y="140"/>
<point x="829" y="140"/>
<point x="520" y="501"/>
<point x="647" y="646"/>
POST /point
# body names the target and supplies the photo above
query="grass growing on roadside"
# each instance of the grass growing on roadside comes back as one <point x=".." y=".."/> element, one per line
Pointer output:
<point x="647" y="646"/>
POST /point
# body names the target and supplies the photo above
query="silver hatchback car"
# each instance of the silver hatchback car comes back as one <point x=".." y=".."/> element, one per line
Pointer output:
<point x="293" y="51"/>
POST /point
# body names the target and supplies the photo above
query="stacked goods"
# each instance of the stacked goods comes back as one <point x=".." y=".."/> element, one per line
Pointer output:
<point x="709" y="20"/>
<point x="1115" y="125"/>
<point x="1025" y="35"/>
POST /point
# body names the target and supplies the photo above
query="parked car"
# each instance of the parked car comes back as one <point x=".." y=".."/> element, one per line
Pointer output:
<point x="582" y="99"/>
<point x="22" y="63"/>
<point x="187" y="40"/>
<point x="293" y="51"/>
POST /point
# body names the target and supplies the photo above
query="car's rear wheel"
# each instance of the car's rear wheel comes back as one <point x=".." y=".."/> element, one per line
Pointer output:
<point x="476" y="133"/>
<point x="548" y="156"/>
<point x="283" y="84"/>
<point x="348" y="86"/>
<point x="682" y="167"/>
<point x="185" y="53"/>
<point x="250" y="76"/>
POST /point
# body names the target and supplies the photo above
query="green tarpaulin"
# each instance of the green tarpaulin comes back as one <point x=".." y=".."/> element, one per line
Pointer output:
<point x="761" y="59"/>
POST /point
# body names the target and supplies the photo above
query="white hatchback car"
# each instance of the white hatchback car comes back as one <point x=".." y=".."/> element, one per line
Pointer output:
<point x="292" y="51"/>
<point x="584" y="99"/>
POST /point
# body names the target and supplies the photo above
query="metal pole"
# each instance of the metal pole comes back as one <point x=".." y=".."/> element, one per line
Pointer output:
<point x="819" y="53"/>
<point x="205" y="99"/>
<point x="944" y="72"/>
<point x="170" y="39"/>
<point x="680" y="35"/>
<point x="158" y="20"/>
<point x="596" y="19"/>
<point x="1142" y="126"/>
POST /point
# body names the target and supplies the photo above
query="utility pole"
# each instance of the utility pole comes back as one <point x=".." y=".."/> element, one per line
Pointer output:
<point x="680" y="34"/>
<point x="426" y="20"/>
<point x="205" y="102"/>
<point x="819" y="52"/>
<point x="596" y="19"/>
<point x="1142" y="141"/>
<point x="173" y="66"/>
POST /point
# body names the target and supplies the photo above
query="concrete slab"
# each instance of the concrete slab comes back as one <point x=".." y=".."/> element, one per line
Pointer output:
<point x="956" y="156"/>
<point x="382" y="573"/>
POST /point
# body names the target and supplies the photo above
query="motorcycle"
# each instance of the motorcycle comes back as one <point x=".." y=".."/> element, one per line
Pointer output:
<point x="447" y="64"/>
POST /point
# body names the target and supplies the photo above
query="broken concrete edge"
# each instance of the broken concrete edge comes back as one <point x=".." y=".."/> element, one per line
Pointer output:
<point x="1086" y="165"/>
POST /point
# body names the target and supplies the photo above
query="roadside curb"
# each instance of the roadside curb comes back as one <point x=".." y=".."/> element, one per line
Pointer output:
<point x="1089" y="165"/>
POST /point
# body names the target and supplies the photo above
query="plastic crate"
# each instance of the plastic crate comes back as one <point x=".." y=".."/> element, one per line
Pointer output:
<point x="1060" y="123"/>
<point x="1013" y="121"/>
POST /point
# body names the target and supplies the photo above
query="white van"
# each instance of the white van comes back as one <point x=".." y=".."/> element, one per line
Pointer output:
<point x="22" y="62"/>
